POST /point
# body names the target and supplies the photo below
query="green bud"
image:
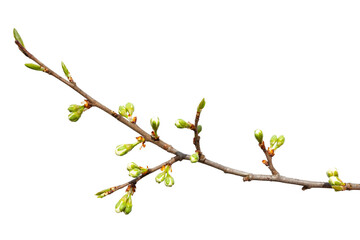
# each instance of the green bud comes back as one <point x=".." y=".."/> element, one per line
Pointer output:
<point x="66" y="71"/>
<point x="74" y="108"/>
<point x="335" y="181"/>
<point x="338" y="188"/>
<point x="273" y="140"/>
<point x="123" y="112"/>
<point x="121" y="204"/>
<point x="280" y="141"/>
<point x="18" y="38"/>
<point x="194" y="158"/>
<point x="130" y="108"/>
<point x="135" y="172"/>
<point x="76" y="111"/>
<point x="102" y="193"/>
<point x="201" y="105"/>
<point x="123" y="149"/>
<point x="128" y="207"/>
<point x="259" y="135"/>
<point x="155" y="123"/>
<point x="144" y="170"/>
<point x="332" y="172"/>
<point x="131" y="166"/>
<point x="75" y="116"/>
<point x="199" y="128"/>
<point x="34" y="66"/>
<point x="160" y="177"/>
<point x="181" y="124"/>
<point x="169" y="180"/>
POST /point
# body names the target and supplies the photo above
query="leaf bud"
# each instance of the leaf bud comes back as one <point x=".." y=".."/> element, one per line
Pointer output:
<point x="335" y="181"/>
<point x="102" y="193"/>
<point x="34" y="66"/>
<point x="199" y="128"/>
<point x="128" y="207"/>
<point x="259" y="135"/>
<point x="155" y="123"/>
<point x="332" y="172"/>
<point x="66" y="71"/>
<point x="74" y="108"/>
<point x="160" y="177"/>
<point x="273" y="140"/>
<point x="131" y="166"/>
<point x="130" y="108"/>
<point x="18" y="38"/>
<point x="201" y="105"/>
<point x="144" y="170"/>
<point x="135" y="172"/>
<point x="194" y="158"/>
<point x="123" y="111"/>
<point x="121" y="204"/>
<point x="280" y="141"/>
<point x="75" y="116"/>
<point x="169" y="180"/>
<point x="123" y="149"/>
<point x="180" y="123"/>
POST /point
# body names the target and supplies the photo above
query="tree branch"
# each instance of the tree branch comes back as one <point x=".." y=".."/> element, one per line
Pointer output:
<point x="275" y="177"/>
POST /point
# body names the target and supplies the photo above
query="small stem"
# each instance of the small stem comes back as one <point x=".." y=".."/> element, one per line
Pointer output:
<point x="269" y="160"/>
<point x="150" y="170"/>
<point x="197" y="137"/>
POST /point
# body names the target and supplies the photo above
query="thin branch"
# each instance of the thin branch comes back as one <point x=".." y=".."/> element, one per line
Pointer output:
<point x="197" y="137"/>
<point x="275" y="177"/>
<point x="269" y="156"/>
<point x="150" y="170"/>
<point x="94" y="103"/>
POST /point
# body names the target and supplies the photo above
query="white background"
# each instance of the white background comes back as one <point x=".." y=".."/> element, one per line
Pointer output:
<point x="286" y="67"/>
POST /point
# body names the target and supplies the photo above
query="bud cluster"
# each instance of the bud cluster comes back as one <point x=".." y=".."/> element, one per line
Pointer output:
<point x="75" y="112"/>
<point x="275" y="142"/>
<point x="334" y="180"/>
<point x="165" y="176"/>
<point x="135" y="170"/>
<point x="127" y="112"/>
<point x="125" y="203"/>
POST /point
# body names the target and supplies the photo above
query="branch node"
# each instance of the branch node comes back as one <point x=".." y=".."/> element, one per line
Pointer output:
<point x="114" y="114"/>
<point x="247" y="178"/>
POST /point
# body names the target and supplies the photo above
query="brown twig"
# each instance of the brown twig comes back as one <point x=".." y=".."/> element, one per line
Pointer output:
<point x="150" y="170"/>
<point x="197" y="137"/>
<point x="275" y="177"/>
